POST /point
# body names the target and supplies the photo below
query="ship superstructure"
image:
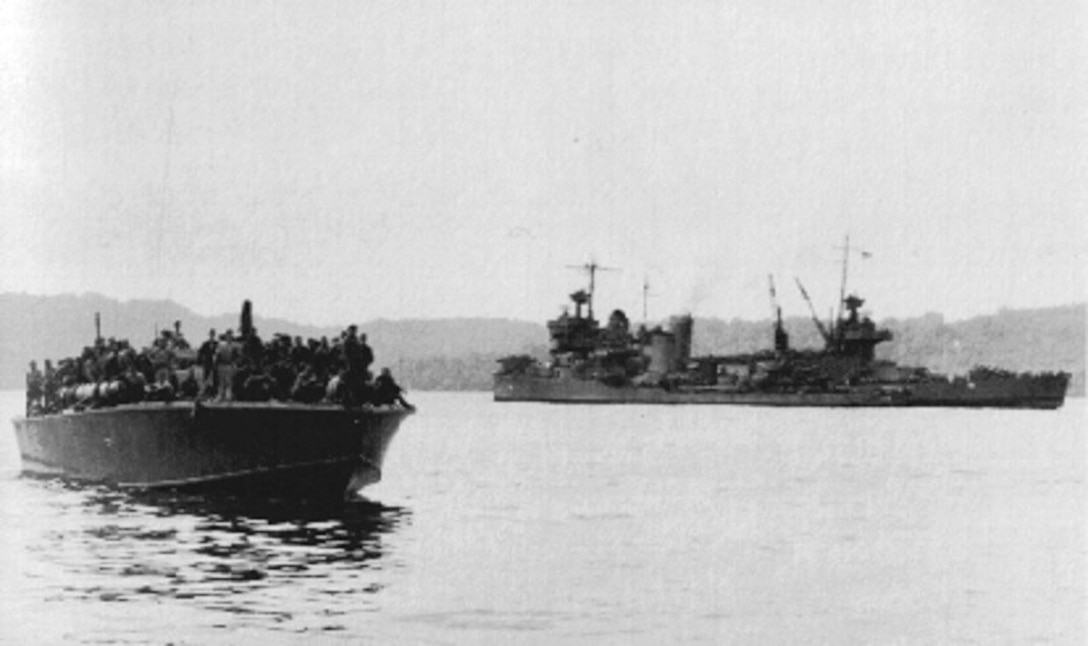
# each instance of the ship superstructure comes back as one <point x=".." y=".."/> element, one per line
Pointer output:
<point x="613" y="363"/>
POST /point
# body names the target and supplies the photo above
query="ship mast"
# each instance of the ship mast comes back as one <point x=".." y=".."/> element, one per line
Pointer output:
<point x="842" y="285"/>
<point x="645" y="298"/>
<point x="781" y="339"/>
<point x="592" y="267"/>
<point x="776" y="309"/>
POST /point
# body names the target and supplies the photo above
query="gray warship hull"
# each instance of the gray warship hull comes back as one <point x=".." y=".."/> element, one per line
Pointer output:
<point x="593" y="363"/>
<point x="269" y="450"/>
<point x="1023" y="392"/>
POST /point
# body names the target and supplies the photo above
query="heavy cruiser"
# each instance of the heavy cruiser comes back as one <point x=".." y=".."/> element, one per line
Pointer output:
<point x="613" y="364"/>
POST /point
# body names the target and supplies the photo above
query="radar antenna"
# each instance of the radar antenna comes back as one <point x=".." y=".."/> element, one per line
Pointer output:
<point x="592" y="268"/>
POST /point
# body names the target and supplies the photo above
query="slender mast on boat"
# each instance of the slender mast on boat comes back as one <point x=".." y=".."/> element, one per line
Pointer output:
<point x="645" y="297"/>
<point x="842" y="287"/>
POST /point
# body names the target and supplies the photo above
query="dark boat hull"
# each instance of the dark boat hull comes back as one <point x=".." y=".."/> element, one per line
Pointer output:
<point x="254" y="449"/>
<point x="1021" y="392"/>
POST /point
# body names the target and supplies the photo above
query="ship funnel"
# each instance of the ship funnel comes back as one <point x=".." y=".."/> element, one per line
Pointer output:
<point x="662" y="353"/>
<point x="681" y="327"/>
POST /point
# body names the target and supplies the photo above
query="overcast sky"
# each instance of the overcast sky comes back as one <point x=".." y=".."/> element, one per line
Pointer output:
<point x="342" y="161"/>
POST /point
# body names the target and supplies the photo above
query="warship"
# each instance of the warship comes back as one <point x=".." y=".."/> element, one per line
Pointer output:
<point x="253" y="449"/>
<point x="614" y="364"/>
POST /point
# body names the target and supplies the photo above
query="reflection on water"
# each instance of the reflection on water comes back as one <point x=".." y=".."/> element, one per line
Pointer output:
<point x="243" y="557"/>
<point x="545" y="524"/>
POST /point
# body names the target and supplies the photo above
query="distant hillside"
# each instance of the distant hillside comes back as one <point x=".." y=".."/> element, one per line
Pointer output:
<point x="40" y="327"/>
<point x="1051" y="338"/>
<point x="1020" y="340"/>
<point x="460" y="354"/>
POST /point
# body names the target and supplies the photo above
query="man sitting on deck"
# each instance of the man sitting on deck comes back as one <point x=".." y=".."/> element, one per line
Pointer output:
<point x="388" y="392"/>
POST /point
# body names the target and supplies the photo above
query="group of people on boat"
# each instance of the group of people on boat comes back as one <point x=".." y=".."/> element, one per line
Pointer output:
<point x="225" y="367"/>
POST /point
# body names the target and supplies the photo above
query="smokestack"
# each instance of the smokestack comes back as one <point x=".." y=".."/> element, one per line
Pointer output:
<point x="681" y="327"/>
<point x="662" y="353"/>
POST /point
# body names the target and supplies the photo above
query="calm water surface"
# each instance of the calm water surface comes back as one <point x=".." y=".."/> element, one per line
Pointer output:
<point x="523" y="523"/>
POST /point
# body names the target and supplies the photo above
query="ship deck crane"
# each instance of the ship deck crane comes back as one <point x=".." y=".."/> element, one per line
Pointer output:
<point x="815" y="319"/>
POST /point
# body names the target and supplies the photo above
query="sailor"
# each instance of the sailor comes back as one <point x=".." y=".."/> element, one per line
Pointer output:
<point x="134" y="384"/>
<point x="226" y="353"/>
<point x="300" y="354"/>
<point x="283" y="374"/>
<point x="34" y="389"/>
<point x="189" y="383"/>
<point x="162" y="390"/>
<point x="322" y="358"/>
<point x="67" y="379"/>
<point x="334" y="389"/>
<point x="336" y="354"/>
<point x="253" y="350"/>
<point x="366" y="355"/>
<point x="161" y="357"/>
<point x="106" y="359"/>
<point x="87" y="363"/>
<point x="205" y="358"/>
<point x="256" y="387"/>
<point x="307" y="388"/>
<point x="50" y="384"/>
<point x="357" y="357"/>
<point x="387" y="391"/>
<point x="179" y="341"/>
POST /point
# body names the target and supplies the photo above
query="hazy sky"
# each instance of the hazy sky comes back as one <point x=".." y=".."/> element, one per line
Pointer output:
<point x="342" y="161"/>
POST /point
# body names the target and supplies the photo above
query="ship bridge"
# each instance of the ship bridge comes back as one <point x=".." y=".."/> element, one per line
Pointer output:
<point x="576" y="333"/>
<point x="858" y="336"/>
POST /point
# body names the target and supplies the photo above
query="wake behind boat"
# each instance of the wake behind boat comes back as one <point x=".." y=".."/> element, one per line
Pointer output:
<point x="282" y="419"/>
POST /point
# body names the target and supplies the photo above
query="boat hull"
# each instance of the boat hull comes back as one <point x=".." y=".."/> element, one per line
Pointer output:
<point x="259" y="449"/>
<point x="1020" y="392"/>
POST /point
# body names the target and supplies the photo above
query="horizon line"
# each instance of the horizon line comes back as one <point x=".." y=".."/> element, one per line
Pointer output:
<point x="125" y="301"/>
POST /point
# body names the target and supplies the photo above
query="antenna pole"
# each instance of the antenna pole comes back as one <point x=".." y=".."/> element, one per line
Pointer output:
<point x="774" y="297"/>
<point x="842" y="286"/>
<point x="592" y="267"/>
<point x="645" y="297"/>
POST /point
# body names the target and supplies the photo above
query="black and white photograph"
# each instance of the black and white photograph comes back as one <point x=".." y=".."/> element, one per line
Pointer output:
<point x="481" y="322"/>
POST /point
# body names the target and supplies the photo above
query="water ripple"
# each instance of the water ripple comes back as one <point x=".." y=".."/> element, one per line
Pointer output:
<point x="226" y="555"/>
